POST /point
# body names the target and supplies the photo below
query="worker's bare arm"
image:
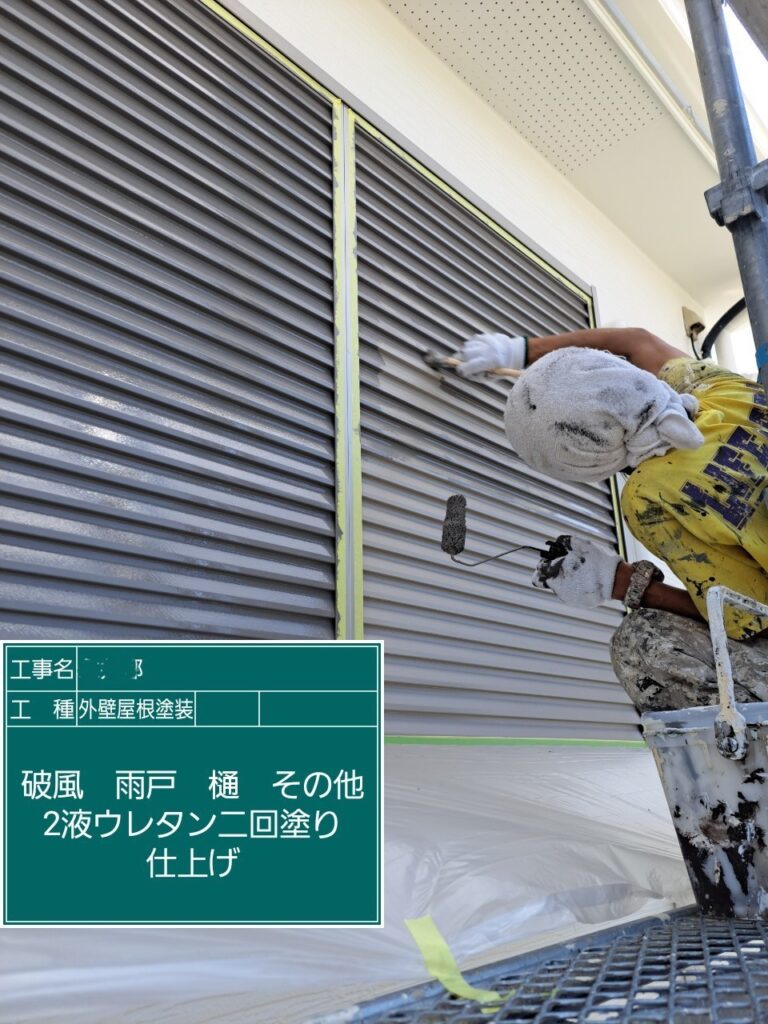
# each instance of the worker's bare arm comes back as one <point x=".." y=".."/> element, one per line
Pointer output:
<point x="640" y="347"/>
<point x="658" y="595"/>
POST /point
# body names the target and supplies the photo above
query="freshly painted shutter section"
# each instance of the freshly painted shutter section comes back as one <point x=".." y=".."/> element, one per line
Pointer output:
<point x="167" y="318"/>
<point x="468" y="651"/>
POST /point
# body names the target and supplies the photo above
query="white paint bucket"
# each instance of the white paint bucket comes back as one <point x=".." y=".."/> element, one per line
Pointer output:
<point x="719" y="805"/>
<point x="713" y="764"/>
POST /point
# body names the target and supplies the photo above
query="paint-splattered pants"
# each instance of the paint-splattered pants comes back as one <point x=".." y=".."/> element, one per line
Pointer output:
<point x="665" y="662"/>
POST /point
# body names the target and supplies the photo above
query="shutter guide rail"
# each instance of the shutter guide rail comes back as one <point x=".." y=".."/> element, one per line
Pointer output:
<point x="349" y="498"/>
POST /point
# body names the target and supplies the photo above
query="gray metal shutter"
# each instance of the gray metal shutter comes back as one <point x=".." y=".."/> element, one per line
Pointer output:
<point x="167" y="297"/>
<point x="468" y="652"/>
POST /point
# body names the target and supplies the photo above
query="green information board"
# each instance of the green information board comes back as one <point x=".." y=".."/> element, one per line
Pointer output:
<point x="192" y="783"/>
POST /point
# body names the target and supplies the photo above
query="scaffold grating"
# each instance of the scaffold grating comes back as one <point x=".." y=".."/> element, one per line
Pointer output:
<point x="683" y="969"/>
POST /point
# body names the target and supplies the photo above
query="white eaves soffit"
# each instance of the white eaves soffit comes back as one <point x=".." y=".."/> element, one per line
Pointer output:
<point x="568" y="78"/>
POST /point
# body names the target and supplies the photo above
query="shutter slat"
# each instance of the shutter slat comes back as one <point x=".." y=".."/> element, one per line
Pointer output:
<point x="224" y="57"/>
<point x="271" y="363"/>
<point x="523" y="312"/>
<point x="52" y="337"/>
<point x="33" y="148"/>
<point x="436" y="214"/>
<point x="435" y="723"/>
<point x="418" y="263"/>
<point x="136" y="98"/>
<point x="113" y="274"/>
<point x="195" y="516"/>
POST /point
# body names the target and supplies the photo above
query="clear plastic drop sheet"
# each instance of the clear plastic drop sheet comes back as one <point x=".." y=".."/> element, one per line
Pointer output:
<point x="507" y="847"/>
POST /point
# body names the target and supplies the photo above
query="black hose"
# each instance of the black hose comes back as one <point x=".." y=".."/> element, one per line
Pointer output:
<point x="714" y="333"/>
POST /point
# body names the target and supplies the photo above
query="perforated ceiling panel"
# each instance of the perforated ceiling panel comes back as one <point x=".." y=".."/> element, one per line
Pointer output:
<point x="544" y="65"/>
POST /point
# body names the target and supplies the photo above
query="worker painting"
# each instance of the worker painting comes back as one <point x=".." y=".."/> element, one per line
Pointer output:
<point x="691" y="439"/>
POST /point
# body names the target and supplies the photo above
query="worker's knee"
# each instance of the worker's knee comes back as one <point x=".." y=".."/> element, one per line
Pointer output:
<point x="629" y="647"/>
<point x="633" y="627"/>
<point x="664" y="661"/>
<point x="636" y="642"/>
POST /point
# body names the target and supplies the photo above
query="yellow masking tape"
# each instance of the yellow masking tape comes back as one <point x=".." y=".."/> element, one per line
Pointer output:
<point x="440" y="963"/>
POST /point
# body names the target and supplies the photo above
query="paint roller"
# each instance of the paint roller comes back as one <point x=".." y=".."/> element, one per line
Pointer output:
<point x="455" y="521"/>
<point x="455" y="536"/>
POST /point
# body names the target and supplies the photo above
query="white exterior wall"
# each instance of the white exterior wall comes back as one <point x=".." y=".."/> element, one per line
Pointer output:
<point x="735" y="347"/>
<point x="362" y="51"/>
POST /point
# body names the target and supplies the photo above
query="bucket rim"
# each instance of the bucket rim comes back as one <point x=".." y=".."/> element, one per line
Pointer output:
<point x="695" y="719"/>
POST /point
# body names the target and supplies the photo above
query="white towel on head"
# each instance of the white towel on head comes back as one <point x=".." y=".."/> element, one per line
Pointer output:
<point x="583" y="414"/>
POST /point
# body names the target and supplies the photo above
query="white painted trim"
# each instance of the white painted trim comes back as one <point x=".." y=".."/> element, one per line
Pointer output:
<point x="605" y="15"/>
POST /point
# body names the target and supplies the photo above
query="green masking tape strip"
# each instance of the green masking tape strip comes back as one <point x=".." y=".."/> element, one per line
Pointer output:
<point x="440" y="963"/>
<point x="511" y="741"/>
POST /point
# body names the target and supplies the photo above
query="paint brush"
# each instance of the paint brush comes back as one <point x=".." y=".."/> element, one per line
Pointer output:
<point x="449" y="364"/>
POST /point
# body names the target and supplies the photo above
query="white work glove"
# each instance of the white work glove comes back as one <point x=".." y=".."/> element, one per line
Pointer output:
<point x="485" y="352"/>
<point x="584" y="577"/>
